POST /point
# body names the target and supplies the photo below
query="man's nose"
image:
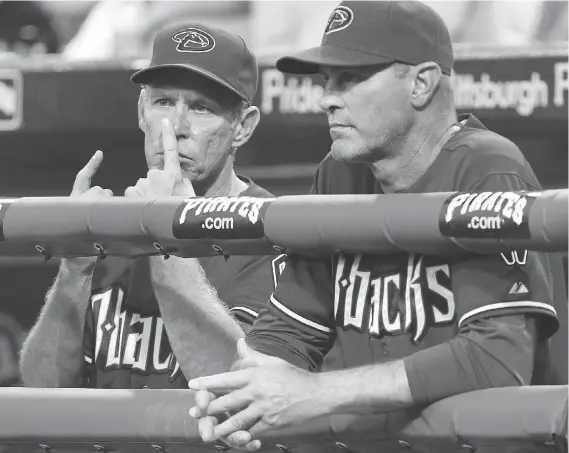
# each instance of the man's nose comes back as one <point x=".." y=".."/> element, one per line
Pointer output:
<point x="181" y="122"/>
<point x="331" y="98"/>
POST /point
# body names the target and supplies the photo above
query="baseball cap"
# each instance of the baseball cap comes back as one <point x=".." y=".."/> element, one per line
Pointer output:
<point x="365" y="33"/>
<point x="216" y="54"/>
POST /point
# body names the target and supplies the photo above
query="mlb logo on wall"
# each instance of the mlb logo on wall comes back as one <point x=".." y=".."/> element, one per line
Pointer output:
<point x="11" y="97"/>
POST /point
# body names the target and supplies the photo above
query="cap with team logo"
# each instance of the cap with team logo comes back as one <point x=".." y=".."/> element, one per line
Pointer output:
<point x="365" y="33"/>
<point x="216" y="54"/>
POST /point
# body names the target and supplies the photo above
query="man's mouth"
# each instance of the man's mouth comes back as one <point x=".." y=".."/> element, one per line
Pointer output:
<point x="180" y="156"/>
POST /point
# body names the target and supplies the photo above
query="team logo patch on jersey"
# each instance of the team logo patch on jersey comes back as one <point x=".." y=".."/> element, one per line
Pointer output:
<point x="193" y="40"/>
<point x="11" y="99"/>
<point x="341" y="18"/>
<point x="515" y="258"/>
<point x="221" y="218"/>
<point x="487" y="214"/>
<point x="518" y="289"/>
<point x="278" y="265"/>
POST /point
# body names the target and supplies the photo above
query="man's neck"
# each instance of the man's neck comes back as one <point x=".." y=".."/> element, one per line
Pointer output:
<point x="412" y="156"/>
<point x="229" y="186"/>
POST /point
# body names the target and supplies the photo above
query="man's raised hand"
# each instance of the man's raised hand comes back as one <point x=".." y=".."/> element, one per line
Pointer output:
<point x="82" y="189"/>
<point x="82" y="185"/>
<point x="169" y="181"/>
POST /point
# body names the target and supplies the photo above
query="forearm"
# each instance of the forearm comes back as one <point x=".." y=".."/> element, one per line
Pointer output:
<point x="52" y="355"/>
<point x="376" y="388"/>
<point x="202" y="332"/>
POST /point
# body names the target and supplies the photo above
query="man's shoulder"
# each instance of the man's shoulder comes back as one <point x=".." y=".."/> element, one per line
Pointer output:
<point x="254" y="190"/>
<point x="481" y="146"/>
<point x="476" y="152"/>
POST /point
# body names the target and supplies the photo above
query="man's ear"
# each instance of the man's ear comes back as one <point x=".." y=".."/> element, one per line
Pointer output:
<point x="246" y="126"/>
<point x="141" y="105"/>
<point x="426" y="83"/>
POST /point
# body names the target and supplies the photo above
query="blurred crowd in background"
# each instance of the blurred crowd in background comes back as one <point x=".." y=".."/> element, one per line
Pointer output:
<point x="113" y="29"/>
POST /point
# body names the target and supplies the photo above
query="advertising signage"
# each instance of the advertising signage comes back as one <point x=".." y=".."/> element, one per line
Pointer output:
<point x="36" y="98"/>
<point x="489" y="88"/>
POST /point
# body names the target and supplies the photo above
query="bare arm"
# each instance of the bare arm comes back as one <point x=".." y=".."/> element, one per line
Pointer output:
<point x="52" y="355"/>
<point x="202" y="332"/>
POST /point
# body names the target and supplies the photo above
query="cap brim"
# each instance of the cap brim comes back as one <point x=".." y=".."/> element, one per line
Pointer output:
<point x="309" y="61"/>
<point x="148" y="75"/>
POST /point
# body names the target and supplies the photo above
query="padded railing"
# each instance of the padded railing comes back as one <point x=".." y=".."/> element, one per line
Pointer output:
<point x="507" y="420"/>
<point x="438" y="223"/>
<point x="529" y="419"/>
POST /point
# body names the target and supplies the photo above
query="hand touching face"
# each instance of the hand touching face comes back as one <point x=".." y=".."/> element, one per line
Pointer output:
<point x="169" y="181"/>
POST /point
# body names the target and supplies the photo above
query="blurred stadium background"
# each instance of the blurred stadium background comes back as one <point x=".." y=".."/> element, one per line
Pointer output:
<point x="65" y="92"/>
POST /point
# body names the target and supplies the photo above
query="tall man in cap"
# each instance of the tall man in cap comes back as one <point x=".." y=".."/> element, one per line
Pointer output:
<point x="412" y="329"/>
<point x="153" y="322"/>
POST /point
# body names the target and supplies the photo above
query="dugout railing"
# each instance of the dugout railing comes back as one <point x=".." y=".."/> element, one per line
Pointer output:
<point x="502" y="420"/>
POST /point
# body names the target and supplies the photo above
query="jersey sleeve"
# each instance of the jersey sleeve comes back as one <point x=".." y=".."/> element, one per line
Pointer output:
<point x="248" y="290"/>
<point x="88" y="347"/>
<point x="298" y="324"/>
<point x="518" y="281"/>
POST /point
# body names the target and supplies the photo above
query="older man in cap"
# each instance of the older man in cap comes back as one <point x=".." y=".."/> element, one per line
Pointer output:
<point x="411" y="329"/>
<point x="153" y="322"/>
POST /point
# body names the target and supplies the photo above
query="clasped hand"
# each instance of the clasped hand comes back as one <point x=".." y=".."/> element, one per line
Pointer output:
<point x="265" y="393"/>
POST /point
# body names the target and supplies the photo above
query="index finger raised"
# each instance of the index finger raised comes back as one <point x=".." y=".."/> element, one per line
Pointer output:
<point x="85" y="175"/>
<point x="170" y="145"/>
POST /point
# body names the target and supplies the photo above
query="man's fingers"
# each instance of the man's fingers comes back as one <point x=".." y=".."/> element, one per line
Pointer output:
<point x="241" y="440"/>
<point x="242" y="349"/>
<point x="170" y="145"/>
<point x="203" y="399"/>
<point x="258" y="428"/>
<point x="238" y="422"/>
<point x="188" y="188"/>
<point x="231" y="402"/>
<point x="131" y="192"/>
<point x="85" y="175"/>
<point x="205" y="428"/>
<point x="221" y="383"/>
<point x="109" y="192"/>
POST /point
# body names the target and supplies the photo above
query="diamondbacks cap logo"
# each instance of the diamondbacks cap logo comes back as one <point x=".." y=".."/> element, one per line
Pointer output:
<point x="339" y="19"/>
<point x="193" y="40"/>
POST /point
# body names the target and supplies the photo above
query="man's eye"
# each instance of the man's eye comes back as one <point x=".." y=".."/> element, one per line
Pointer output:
<point x="200" y="108"/>
<point x="163" y="102"/>
<point x="347" y="77"/>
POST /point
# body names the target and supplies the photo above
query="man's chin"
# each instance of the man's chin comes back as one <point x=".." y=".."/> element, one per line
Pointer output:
<point x="347" y="152"/>
<point x="342" y="153"/>
<point x="192" y="175"/>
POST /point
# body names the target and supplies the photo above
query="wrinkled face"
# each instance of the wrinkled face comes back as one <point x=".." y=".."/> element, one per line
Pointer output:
<point x="368" y="110"/>
<point x="202" y="114"/>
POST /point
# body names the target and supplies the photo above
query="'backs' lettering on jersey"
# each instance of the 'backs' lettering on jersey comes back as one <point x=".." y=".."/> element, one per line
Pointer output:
<point x="387" y="307"/>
